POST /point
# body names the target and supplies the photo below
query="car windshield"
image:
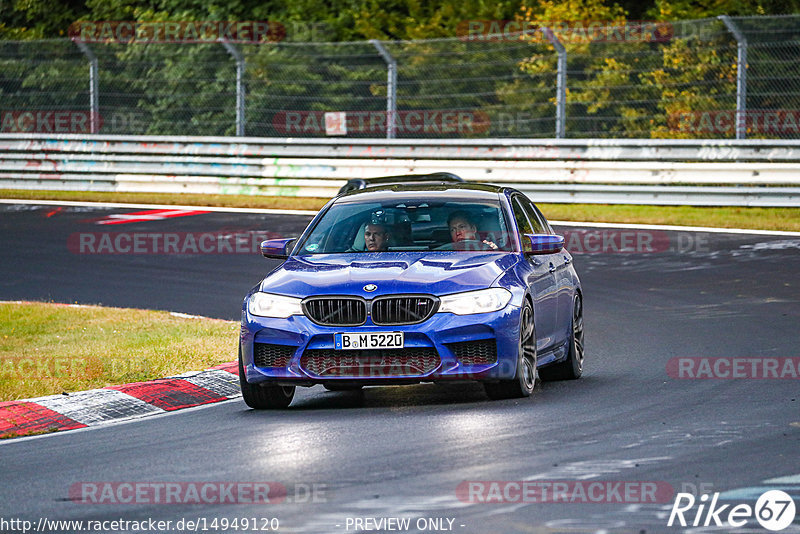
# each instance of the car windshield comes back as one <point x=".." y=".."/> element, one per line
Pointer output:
<point x="419" y="225"/>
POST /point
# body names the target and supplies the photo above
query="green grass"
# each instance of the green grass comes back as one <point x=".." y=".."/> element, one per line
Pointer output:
<point x="786" y="219"/>
<point x="228" y="201"/>
<point x="13" y="434"/>
<point x="720" y="217"/>
<point x="48" y="348"/>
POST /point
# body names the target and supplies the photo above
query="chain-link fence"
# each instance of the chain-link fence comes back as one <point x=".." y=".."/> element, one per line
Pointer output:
<point x="686" y="83"/>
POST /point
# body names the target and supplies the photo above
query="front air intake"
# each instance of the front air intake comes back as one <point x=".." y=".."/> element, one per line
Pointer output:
<point x="336" y="311"/>
<point x="402" y="310"/>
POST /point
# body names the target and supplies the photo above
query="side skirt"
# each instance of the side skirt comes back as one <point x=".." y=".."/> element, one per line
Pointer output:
<point x="554" y="355"/>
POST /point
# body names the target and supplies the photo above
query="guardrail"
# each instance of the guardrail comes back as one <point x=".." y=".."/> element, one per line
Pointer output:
<point x="712" y="172"/>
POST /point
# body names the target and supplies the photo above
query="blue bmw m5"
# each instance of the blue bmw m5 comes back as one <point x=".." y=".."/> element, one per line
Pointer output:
<point x="401" y="284"/>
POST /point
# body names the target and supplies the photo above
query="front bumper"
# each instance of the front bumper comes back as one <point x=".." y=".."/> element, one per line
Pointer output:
<point x="434" y="350"/>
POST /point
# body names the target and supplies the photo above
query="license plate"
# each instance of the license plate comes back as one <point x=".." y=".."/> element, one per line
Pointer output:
<point x="372" y="340"/>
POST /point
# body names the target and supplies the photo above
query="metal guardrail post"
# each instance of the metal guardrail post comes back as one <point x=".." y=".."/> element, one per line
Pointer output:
<point x="561" y="82"/>
<point x="237" y="55"/>
<point x="391" y="88"/>
<point x="741" y="76"/>
<point x="94" y="74"/>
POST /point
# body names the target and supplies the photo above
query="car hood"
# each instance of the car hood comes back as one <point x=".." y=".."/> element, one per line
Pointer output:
<point x="438" y="273"/>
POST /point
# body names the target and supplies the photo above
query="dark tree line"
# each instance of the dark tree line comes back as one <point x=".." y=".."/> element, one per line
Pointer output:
<point x="350" y="20"/>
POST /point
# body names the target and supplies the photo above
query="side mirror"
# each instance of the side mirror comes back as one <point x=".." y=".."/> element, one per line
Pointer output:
<point x="277" y="249"/>
<point x="542" y="243"/>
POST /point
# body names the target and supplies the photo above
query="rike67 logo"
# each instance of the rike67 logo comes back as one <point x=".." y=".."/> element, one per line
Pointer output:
<point x="774" y="510"/>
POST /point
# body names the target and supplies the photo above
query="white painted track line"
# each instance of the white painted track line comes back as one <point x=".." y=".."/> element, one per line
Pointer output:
<point x="123" y="205"/>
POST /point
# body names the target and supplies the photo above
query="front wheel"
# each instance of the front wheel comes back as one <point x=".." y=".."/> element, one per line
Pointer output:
<point x="572" y="367"/>
<point x="524" y="381"/>
<point x="263" y="397"/>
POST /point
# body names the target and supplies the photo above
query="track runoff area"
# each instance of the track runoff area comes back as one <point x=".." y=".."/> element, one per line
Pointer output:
<point x="686" y="417"/>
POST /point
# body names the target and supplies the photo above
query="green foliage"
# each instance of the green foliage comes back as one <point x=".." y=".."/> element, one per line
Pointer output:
<point x="344" y="20"/>
<point x="698" y="9"/>
<point x="622" y="89"/>
<point x="37" y="19"/>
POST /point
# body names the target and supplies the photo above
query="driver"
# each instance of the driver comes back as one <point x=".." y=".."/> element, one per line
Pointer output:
<point x="463" y="229"/>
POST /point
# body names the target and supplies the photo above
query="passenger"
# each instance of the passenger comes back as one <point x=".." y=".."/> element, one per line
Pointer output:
<point x="463" y="230"/>
<point x="376" y="237"/>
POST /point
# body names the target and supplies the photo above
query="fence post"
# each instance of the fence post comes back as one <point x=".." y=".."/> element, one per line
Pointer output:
<point x="237" y="55"/>
<point x="741" y="76"/>
<point x="561" y="82"/>
<point x="391" y="88"/>
<point x="94" y="100"/>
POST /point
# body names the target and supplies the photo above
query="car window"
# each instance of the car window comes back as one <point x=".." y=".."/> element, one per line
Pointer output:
<point x="543" y="219"/>
<point x="523" y="223"/>
<point x="337" y="232"/>
<point x="412" y="225"/>
<point x="536" y="218"/>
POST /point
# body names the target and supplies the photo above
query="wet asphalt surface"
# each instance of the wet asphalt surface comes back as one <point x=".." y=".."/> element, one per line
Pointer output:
<point x="408" y="452"/>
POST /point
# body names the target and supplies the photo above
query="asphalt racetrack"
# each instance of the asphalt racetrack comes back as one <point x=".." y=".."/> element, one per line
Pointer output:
<point x="654" y="415"/>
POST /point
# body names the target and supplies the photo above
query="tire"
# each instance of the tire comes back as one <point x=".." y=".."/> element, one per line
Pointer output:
<point x="572" y="367"/>
<point x="263" y="397"/>
<point x="524" y="381"/>
<point x="341" y="387"/>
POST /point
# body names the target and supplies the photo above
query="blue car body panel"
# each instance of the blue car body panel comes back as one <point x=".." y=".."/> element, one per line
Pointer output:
<point x="548" y="280"/>
<point x="436" y="272"/>
<point x="439" y="332"/>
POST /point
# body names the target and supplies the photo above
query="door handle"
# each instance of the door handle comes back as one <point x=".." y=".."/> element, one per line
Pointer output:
<point x="552" y="268"/>
<point x="567" y="260"/>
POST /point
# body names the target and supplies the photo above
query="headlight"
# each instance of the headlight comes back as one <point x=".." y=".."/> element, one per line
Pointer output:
<point x="277" y="306"/>
<point x="482" y="301"/>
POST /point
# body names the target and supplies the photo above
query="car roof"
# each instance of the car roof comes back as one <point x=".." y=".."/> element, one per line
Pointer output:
<point x="434" y="176"/>
<point x="455" y="190"/>
<point x="361" y="183"/>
